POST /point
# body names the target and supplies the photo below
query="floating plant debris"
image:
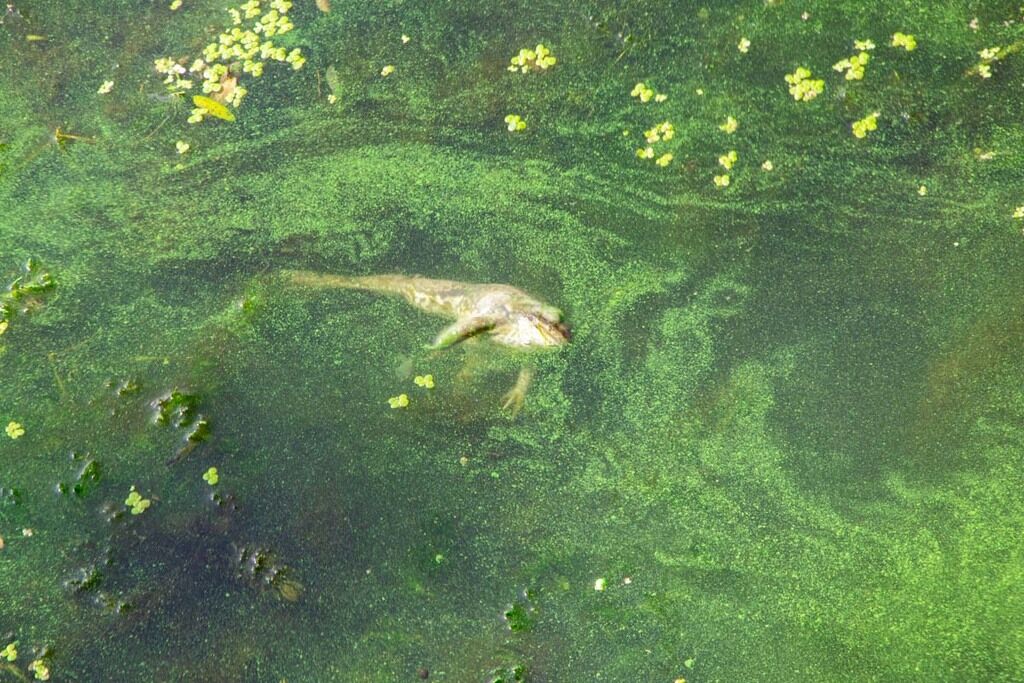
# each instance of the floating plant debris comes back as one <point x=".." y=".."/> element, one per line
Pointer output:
<point x="25" y="294"/>
<point x="260" y="568"/>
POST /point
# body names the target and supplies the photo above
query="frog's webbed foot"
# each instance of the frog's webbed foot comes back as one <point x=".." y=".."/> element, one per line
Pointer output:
<point x="516" y="396"/>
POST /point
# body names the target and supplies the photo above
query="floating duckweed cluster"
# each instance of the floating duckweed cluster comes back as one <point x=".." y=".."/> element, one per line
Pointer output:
<point x="105" y="88"/>
<point x="767" y="165"/>
<point x="802" y="87"/>
<point x="729" y="126"/>
<point x="528" y="60"/>
<point x="646" y="94"/>
<point x="744" y="45"/>
<point x="863" y="126"/>
<point x="514" y="123"/>
<point x="387" y="70"/>
<point x="904" y="40"/>
<point x="14" y="430"/>
<point x="10" y="653"/>
<point x="182" y="146"/>
<point x="1018" y="213"/>
<point x="662" y="132"/>
<point x="728" y="159"/>
<point x="991" y="55"/>
<point x="211" y="477"/>
<point x="425" y="381"/>
<point x="853" y="66"/>
<point x="40" y="670"/>
<point x="136" y="502"/>
<point x="236" y="52"/>
<point x="722" y="180"/>
<point x="400" y="401"/>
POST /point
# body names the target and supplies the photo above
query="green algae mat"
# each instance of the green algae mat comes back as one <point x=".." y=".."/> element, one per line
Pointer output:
<point x="786" y="440"/>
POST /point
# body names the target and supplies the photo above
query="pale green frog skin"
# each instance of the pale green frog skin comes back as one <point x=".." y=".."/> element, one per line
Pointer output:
<point x="507" y="316"/>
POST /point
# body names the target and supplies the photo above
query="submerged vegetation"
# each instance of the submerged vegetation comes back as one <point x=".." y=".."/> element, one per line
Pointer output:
<point x="790" y="413"/>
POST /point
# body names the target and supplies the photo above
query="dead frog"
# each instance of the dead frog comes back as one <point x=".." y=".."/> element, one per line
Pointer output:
<point x="503" y="314"/>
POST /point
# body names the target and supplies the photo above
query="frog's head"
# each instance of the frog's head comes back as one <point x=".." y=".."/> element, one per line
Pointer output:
<point x="550" y="330"/>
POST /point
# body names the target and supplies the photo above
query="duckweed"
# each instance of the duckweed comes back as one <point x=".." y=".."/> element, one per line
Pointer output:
<point x="40" y="670"/>
<point x="730" y="126"/>
<point x="744" y="45"/>
<point x="853" y="66"/>
<point x="664" y="160"/>
<point x="767" y="165"/>
<point x="105" y="88"/>
<point x="15" y="430"/>
<point x="514" y="123"/>
<point x="425" y="381"/>
<point x="722" y="180"/>
<point x="387" y="70"/>
<point x="530" y="60"/>
<point x="211" y="477"/>
<point x="865" y="125"/>
<point x="645" y="93"/>
<point x="236" y="52"/>
<point x="10" y="653"/>
<point x="904" y="40"/>
<point x="728" y="159"/>
<point x="1018" y="213"/>
<point x="400" y="401"/>
<point x="182" y="146"/>
<point x="802" y="87"/>
<point x="663" y="131"/>
<point x="136" y="502"/>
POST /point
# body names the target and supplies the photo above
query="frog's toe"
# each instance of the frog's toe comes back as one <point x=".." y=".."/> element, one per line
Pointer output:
<point x="513" y="402"/>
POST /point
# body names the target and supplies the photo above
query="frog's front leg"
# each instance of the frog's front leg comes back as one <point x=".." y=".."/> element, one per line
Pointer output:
<point x="460" y="330"/>
<point x="513" y="400"/>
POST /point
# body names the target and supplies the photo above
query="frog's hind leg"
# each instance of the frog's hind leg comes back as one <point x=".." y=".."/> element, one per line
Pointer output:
<point x="516" y="396"/>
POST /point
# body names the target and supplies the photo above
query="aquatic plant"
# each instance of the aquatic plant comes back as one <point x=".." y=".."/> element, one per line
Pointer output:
<point x="767" y="165"/>
<point x="729" y="126"/>
<point x="862" y="127"/>
<point x="387" y="70"/>
<point x="662" y="131"/>
<point x="744" y="45"/>
<point x="646" y="94"/>
<point x="728" y="159"/>
<point x="10" y="653"/>
<point x="722" y="180"/>
<point x="664" y="159"/>
<point x="136" y="502"/>
<point x="425" y="381"/>
<point x="514" y="123"/>
<point x="207" y="105"/>
<point x="529" y="60"/>
<point x="400" y="401"/>
<point x="40" y="670"/>
<point x="802" y="87"/>
<point x="904" y="40"/>
<point x="14" y="430"/>
<point x="105" y="88"/>
<point x="853" y="66"/>
<point x="211" y="477"/>
<point x="182" y="146"/>
<point x="1018" y="213"/>
<point x="235" y="53"/>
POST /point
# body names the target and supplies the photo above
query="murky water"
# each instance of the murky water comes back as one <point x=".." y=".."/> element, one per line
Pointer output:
<point x="785" y="441"/>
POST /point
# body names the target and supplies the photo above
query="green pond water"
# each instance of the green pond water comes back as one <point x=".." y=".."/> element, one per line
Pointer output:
<point x="784" y="444"/>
